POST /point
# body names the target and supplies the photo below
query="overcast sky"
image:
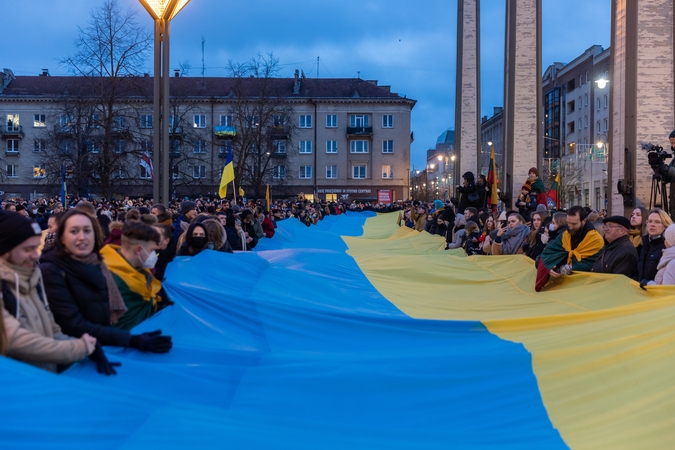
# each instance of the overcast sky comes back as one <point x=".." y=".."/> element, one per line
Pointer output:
<point x="410" y="45"/>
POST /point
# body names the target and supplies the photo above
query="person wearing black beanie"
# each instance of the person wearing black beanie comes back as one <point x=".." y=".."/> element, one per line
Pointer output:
<point x="32" y="335"/>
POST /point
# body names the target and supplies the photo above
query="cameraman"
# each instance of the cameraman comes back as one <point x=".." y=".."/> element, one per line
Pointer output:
<point x="667" y="172"/>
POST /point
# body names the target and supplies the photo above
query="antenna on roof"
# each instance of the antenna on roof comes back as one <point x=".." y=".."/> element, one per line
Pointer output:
<point x="203" y="67"/>
<point x="317" y="67"/>
<point x="358" y="74"/>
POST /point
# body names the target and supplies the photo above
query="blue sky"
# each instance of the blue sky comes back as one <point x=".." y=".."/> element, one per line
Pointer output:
<point x="408" y="45"/>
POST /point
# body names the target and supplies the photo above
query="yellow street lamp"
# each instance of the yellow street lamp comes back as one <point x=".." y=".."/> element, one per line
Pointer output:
<point x="161" y="11"/>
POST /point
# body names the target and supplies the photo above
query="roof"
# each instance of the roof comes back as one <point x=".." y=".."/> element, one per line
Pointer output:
<point x="207" y="88"/>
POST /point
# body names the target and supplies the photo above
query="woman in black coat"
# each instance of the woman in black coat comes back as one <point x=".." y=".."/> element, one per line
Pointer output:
<point x="81" y="290"/>
<point x="653" y="245"/>
<point x="468" y="195"/>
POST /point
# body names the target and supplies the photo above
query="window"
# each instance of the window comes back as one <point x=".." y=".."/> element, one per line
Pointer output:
<point x="587" y="76"/>
<point x="66" y="147"/>
<point x="38" y="171"/>
<point x="331" y="146"/>
<point x="606" y="124"/>
<point x="13" y="170"/>
<point x="388" y="121"/>
<point x="586" y="121"/>
<point x="119" y="172"/>
<point x="570" y="107"/>
<point x="305" y="121"/>
<point x="199" y="121"/>
<point x="606" y="100"/>
<point x="598" y="127"/>
<point x="252" y="148"/>
<point x="581" y="80"/>
<point x="579" y="124"/>
<point x="305" y="171"/>
<point x="388" y="146"/>
<point x="94" y="121"/>
<point x="331" y="172"/>
<point x="39" y="120"/>
<point x="199" y="147"/>
<point x="145" y="172"/>
<point x="120" y="146"/>
<point x="359" y="120"/>
<point x="198" y="171"/>
<point x="39" y="145"/>
<point x="580" y="103"/>
<point x="226" y="120"/>
<point x="359" y="171"/>
<point x="279" y="121"/>
<point x="599" y="104"/>
<point x="252" y="121"/>
<point x="279" y="172"/>
<point x="175" y="172"/>
<point x="586" y="98"/>
<point x="65" y="120"/>
<point x="145" y="121"/>
<point x="12" y="146"/>
<point x="279" y="147"/>
<point x="358" y="146"/>
<point x="120" y="123"/>
<point x="387" y="172"/>
<point x="145" y="145"/>
<point x="12" y="122"/>
<point x="305" y="146"/>
<point x="92" y="147"/>
<point x="331" y="121"/>
<point x="223" y="148"/>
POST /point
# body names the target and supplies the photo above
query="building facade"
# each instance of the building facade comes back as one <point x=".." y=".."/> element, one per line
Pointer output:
<point x="324" y="138"/>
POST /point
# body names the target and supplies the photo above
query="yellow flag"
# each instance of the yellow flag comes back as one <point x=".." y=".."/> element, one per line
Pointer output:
<point x="267" y="198"/>
<point x="241" y="192"/>
<point x="228" y="174"/>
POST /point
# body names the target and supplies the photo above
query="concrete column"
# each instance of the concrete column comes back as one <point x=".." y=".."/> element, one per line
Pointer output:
<point x="467" y="99"/>
<point x="522" y="94"/>
<point x="642" y="92"/>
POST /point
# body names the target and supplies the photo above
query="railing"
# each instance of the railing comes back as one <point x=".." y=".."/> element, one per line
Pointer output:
<point x="359" y="131"/>
<point x="12" y="131"/>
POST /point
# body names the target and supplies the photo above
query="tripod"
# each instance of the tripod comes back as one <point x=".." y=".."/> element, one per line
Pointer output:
<point x="658" y="192"/>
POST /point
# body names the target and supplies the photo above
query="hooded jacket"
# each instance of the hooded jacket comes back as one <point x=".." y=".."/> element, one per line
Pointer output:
<point x="33" y="335"/>
<point x="666" y="268"/>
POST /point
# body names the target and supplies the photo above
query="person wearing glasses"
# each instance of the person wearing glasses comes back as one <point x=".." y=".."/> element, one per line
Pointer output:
<point x="620" y="255"/>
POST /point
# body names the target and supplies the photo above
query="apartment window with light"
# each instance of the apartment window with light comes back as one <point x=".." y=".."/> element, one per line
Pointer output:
<point x="305" y="147"/>
<point x="388" y="146"/>
<point x="198" y="171"/>
<point x="39" y="145"/>
<point x="145" y="121"/>
<point x="387" y="172"/>
<point x="38" y="171"/>
<point x="388" y="121"/>
<point x="359" y="171"/>
<point x="199" y="147"/>
<point x="199" y="121"/>
<point x="12" y="170"/>
<point x="279" y="172"/>
<point x="331" y="146"/>
<point x="39" y="120"/>
<point x="305" y="171"/>
<point x="358" y="146"/>
<point x="331" y="172"/>
<point x="279" y="147"/>
<point x="305" y="121"/>
<point x="331" y="121"/>
<point x="12" y="122"/>
<point x="226" y="120"/>
<point x="12" y="146"/>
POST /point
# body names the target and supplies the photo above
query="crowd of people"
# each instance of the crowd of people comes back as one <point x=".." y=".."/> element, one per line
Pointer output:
<point x="77" y="278"/>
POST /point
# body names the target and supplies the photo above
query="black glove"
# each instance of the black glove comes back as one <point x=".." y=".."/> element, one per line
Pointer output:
<point x="102" y="364"/>
<point x="644" y="283"/>
<point x="151" y="342"/>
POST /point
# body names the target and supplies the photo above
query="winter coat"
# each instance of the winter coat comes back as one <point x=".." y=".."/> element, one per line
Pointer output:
<point x="78" y="296"/>
<point x="511" y="241"/>
<point x="257" y="228"/>
<point x="33" y="335"/>
<point x="648" y="259"/>
<point x="458" y="237"/>
<point x="666" y="268"/>
<point x="464" y="201"/>
<point x="471" y="244"/>
<point x="268" y="227"/>
<point x="619" y="257"/>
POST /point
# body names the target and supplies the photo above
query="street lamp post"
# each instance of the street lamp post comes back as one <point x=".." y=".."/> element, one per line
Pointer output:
<point x="162" y="11"/>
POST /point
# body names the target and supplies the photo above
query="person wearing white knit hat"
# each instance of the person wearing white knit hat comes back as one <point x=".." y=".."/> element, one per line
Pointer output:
<point x="666" y="269"/>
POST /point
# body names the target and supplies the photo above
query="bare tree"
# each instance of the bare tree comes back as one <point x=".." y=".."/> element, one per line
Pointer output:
<point x="95" y="134"/>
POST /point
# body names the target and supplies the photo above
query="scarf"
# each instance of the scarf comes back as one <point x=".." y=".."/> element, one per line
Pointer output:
<point x="635" y="236"/>
<point x="117" y="306"/>
<point x="589" y="246"/>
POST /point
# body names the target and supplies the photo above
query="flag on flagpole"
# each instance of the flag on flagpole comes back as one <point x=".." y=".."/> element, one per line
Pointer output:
<point x="553" y="193"/>
<point x="492" y="180"/>
<point x="267" y="198"/>
<point x="146" y="163"/>
<point x="228" y="173"/>
<point x="63" y="187"/>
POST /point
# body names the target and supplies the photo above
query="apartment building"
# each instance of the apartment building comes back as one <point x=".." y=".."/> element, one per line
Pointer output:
<point x="324" y="138"/>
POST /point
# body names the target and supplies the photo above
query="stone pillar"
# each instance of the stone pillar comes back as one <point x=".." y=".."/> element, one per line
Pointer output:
<point x="642" y="92"/>
<point x="522" y="94"/>
<point x="467" y="98"/>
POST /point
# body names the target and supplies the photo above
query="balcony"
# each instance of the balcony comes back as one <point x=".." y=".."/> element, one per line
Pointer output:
<point x="176" y="132"/>
<point x="120" y="130"/>
<point x="12" y="132"/>
<point x="279" y="133"/>
<point x="65" y="130"/>
<point x="278" y="155"/>
<point x="223" y="132"/>
<point x="359" y="131"/>
<point x="11" y="152"/>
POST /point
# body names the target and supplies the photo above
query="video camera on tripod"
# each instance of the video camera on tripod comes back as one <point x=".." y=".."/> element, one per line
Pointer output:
<point x="656" y="156"/>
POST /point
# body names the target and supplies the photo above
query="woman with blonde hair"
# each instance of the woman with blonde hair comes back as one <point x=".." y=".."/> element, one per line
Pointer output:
<point x="653" y="244"/>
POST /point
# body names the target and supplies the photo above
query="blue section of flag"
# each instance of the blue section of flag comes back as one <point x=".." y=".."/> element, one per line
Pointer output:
<point x="289" y="346"/>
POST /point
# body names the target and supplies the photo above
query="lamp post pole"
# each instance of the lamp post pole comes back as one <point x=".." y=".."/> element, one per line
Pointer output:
<point x="162" y="11"/>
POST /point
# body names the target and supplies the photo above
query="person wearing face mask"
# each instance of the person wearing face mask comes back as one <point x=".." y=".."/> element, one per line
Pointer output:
<point x="130" y="264"/>
<point x="196" y="240"/>
<point x="82" y="292"/>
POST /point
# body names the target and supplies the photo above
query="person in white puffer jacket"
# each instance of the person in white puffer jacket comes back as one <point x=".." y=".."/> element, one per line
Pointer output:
<point x="666" y="267"/>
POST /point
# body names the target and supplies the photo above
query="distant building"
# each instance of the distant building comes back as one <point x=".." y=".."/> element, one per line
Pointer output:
<point x="327" y="138"/>
<point x="492" y="130"/>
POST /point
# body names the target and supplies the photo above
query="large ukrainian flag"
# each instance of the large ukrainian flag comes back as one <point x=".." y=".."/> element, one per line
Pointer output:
<point x="228" y="172"/>
<point x="369" y="336"/>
